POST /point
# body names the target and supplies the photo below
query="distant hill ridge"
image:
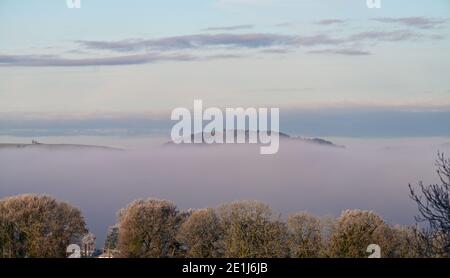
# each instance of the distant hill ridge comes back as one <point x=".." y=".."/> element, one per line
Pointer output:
<point x="282" y="136"/>
<point x="36" y="145"/>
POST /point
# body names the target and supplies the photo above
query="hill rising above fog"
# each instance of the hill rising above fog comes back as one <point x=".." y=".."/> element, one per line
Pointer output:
<point x="283" y="137"/>
<point x="42" y="146"/>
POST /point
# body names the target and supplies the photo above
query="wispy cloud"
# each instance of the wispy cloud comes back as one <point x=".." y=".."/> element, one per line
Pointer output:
<point x="277" y="50"/>
<point x="330" y="21"/>
<point x="284" y="24"/>
<point x="349" y="52"/>
<point x="55" y="61"/>
<point x="417" y="22"/>
<point x="182" y="48"/>
<point x="315" y="40"/>
<point x="250" y="40"/>
<point x="229" y="28"/>
<point x="389" y="36"/>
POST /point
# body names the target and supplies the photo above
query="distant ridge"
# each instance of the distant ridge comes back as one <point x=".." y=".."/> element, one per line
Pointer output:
<point x="282" y="135"/>
<point x="37" y="145"/>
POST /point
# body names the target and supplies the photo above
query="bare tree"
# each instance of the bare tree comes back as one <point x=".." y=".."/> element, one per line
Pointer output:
<point x="434" y="208"/>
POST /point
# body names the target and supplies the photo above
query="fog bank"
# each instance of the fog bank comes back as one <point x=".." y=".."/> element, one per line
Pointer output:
<point x="367" y="174"/>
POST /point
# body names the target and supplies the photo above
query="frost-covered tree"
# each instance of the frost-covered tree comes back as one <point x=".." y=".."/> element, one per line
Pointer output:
<point x="38" y="226"/>
<point x="252" y="231"/>
<point x="355" y="230"/>
<point x="112" y="238"/>
<point x="201" y="234"/>
<point x="305" y="235"/>
<point x="12" y="240"/>
<point x="148" y="229"/>
<point x="403" y="242"/>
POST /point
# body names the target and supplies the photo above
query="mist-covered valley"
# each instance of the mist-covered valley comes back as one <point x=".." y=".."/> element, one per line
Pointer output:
<point x="370" y="174"/>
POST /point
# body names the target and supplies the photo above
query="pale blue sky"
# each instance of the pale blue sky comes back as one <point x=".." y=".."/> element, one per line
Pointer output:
<point x="26" y="23"/>
<point x="134" y="58"/>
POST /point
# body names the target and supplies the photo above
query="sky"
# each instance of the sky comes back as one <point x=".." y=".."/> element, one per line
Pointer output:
<point x="328" y="65"/>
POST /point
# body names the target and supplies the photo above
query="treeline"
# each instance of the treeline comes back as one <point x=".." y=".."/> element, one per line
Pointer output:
<point x="250" y="229"/>
<point x="40" y="226"/>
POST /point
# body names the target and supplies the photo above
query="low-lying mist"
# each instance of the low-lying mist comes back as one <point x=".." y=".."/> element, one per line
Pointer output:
<point x="367" y="174"/>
